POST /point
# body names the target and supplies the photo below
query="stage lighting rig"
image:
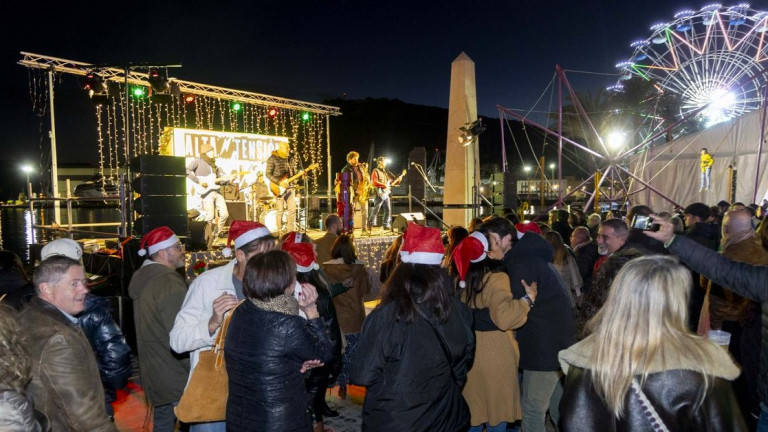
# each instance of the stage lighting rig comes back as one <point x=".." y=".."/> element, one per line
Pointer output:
<point x="158" y="79"/>
<point x="470" y="131"/>
<point x="93" y="83"/>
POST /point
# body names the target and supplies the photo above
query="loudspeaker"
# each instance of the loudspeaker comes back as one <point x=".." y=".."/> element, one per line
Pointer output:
<point x="415" y="180"/>
<point x="159" y="165"/>
<point x="160" y="205"/>
<point x="236" y="211"/>
<point x="400" y="223"/>
<point x="200" y="233"/>
<point x="504" y="190"/>
<point x="177" y="223"/>
<point x="230" y="192"/>
<point x="160" y="185"/>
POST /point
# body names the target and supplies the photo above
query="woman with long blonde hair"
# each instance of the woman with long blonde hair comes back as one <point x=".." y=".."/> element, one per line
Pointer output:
<point x="641" y="369"/>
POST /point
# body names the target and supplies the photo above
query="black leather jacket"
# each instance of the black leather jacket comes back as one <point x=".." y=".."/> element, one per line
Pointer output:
<point x="264" y="353"/>
<point x="113" y="355"/>
<point x="673" y="395"/>
<point x="672" y="388"/>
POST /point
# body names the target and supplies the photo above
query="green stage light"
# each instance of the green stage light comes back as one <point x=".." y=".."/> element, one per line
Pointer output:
<point x="139" y="92"/>
<point x="305" y="116"/>
<point x="236" y="106"/>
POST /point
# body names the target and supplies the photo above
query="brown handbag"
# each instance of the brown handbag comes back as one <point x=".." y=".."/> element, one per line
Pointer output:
<point x="205" y="398"/>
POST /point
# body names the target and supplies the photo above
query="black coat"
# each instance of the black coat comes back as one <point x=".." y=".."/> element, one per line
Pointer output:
<point x="264" y="352"/>
<point x="586" y="256"/>
<point x="551" y="325"/>
<point x="17" y="290"/>
<point x="113" y="355"/>
<point x="743" y="279"/>
<point x="409" y="383"/>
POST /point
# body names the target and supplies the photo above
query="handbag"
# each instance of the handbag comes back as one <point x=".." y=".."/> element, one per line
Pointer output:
<point x="205" y="398"/>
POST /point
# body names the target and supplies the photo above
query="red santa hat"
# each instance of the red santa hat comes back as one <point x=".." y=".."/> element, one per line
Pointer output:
<point x="422" y="245"/>
<point x="523" y="228"/>
<point x="302" y="253"/>
<point x="243" y="232"/>
<point x="156" y="240"/>
<point x="470" y="250"/>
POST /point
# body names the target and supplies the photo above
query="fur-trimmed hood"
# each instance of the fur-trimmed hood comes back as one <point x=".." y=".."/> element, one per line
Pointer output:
<point x="579" y="355"/>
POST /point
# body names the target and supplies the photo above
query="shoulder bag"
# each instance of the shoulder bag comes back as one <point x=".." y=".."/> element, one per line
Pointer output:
<point x="205" y="398"/>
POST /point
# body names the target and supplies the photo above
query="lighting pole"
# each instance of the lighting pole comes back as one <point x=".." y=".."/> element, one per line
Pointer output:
<point x="27" y="187"/>
<point x="552" y="174"/>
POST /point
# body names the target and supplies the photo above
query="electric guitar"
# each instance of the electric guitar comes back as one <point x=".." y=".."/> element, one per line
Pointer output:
<point x="278" y="190"/>
<point x="211" y="182"/>
<point x="383" y="193"/>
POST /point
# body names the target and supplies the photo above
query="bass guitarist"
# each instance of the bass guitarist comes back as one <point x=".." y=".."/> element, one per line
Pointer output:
<point x="280" y="167"/>
<point x="202" y="170"/>
<point x="382" y="181"/>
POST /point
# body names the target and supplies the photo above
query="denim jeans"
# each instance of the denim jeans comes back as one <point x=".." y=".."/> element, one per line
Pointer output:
<point x="209" y="427"/>
<point x="542" y="390"/>
<point x="164" y="419"/>
<point x="762" y="422"/>
<point x="501" y="427"/>
<point x="705" y="177"/>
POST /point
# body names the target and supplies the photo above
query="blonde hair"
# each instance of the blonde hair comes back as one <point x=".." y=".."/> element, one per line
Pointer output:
<point x="643" y="319"/>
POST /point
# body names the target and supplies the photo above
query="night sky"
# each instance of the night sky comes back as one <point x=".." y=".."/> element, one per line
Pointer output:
<point x="318" y="50"/>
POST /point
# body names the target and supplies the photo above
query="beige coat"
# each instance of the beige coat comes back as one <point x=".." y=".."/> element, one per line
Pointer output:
<point x="350" y="310"/>
<point x="492" y="390"/>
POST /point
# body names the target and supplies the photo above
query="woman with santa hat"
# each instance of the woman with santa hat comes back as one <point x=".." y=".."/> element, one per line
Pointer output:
<point x="492" y="390"/>
<point x="302" y="250"/>
<point x="415" y="347"/>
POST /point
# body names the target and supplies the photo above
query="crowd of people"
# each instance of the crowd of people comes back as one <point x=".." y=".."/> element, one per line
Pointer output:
<point x="590" y="322"/>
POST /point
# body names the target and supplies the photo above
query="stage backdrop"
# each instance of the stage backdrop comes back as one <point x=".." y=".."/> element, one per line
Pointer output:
<point x="237" y="153"/>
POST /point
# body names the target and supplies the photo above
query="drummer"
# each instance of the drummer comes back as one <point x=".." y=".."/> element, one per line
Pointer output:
<point x="260" y="190"/>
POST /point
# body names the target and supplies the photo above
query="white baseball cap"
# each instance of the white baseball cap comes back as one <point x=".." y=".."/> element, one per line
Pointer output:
<point x="63" y="246"/>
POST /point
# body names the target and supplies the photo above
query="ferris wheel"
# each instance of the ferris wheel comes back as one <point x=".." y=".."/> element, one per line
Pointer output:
<point x="716" y="57"/>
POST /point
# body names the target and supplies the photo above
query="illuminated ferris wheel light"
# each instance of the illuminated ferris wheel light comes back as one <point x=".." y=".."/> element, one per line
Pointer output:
<point x="715" y="57"/>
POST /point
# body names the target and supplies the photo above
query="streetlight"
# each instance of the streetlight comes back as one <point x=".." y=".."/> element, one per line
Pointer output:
<point x="527" y="169"/>
<point x="27" y="170"/>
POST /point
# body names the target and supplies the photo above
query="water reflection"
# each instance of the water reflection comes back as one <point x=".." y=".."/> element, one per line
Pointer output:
<point x="17" y="229"/>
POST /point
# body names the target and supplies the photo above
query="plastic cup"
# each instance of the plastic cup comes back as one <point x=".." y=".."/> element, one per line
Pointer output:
<point x="719" y="337"/>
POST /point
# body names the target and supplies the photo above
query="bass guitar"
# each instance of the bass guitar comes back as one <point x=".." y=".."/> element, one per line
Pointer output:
<point x="384" y="192"/>
<point x="278" y="190"/>
<point x="211" y="182"/>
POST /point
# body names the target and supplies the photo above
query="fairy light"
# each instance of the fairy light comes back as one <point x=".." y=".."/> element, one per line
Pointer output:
<point x="101" y="144"/>
<point x="110" y="108"/>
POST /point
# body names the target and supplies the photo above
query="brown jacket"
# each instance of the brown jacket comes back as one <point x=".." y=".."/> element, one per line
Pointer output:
<point x="724" y="305"/>
<point x="350" y="310"/>
<point x="324" y="246"/>
<point x="65" y="385"/>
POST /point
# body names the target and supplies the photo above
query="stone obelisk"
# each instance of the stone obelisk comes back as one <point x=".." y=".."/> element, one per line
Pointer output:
<point x="461" y="162"/>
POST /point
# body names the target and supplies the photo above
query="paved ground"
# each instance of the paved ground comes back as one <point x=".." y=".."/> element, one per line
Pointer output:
<point x="133" y="415"/>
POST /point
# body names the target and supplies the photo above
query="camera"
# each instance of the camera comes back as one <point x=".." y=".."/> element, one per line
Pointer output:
<point x="644" y="223"/>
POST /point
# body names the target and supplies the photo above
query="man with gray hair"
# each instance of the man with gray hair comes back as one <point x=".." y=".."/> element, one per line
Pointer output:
<point x="611" y="236"/>
<point x="593" y="223"/>
<point x="66" y="385"/>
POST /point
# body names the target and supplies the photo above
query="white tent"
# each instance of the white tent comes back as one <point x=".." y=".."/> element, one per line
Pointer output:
<point x="673" y="169"/>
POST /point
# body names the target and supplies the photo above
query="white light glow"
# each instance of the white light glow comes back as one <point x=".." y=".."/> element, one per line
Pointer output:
<point x="616" y="140"/>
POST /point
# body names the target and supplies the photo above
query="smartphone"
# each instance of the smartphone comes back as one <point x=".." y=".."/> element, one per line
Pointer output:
<point x="296" y="289"/>
<point x="644" y="223"/>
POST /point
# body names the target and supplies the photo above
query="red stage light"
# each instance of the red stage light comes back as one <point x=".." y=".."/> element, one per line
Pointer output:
<point x="272" y="113"/>
<point x="189" y="99"/>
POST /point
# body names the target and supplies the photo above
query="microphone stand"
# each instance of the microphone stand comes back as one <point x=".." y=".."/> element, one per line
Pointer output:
<point x="423" y="204"/>
<point x="423" y="175"/>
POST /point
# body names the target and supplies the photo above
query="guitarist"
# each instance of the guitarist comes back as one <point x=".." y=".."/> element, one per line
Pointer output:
<point x="213" y="201"/>
<point x="382" y="180"/>
<point x="359" y="186"/>
<point x="280" y="166"/>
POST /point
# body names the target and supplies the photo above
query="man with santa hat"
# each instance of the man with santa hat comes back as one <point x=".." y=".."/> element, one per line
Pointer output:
<point x="214" y="293"/>
<point x="158" y="290"/>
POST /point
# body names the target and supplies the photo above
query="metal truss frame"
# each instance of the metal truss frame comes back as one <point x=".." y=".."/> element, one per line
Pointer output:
<point x="117" y="74"/>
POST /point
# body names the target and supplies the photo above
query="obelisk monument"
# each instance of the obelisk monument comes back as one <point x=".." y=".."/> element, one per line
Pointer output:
<point x="461" y="162"/>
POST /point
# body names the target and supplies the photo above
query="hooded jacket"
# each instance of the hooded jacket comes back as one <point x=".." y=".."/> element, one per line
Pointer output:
<point x="551" y="326"/>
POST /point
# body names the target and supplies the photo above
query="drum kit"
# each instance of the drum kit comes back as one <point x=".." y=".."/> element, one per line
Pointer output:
<point x="263" y="207"/>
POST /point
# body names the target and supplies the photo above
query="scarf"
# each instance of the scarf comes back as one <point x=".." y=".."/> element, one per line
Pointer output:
<point x="284" y="303"/>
